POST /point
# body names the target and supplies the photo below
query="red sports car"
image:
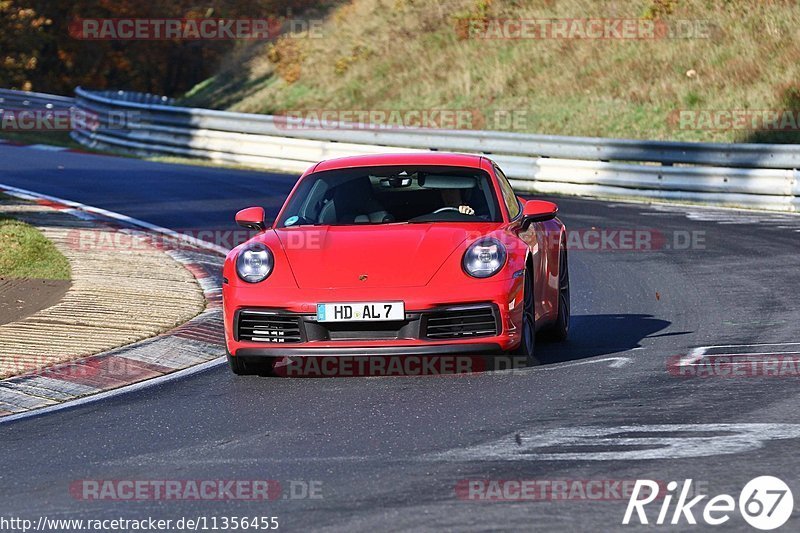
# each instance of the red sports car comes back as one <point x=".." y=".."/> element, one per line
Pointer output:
<point x="399" y="254"/>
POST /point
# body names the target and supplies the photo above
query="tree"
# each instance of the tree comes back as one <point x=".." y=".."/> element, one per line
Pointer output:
<point x="37" y="51"/>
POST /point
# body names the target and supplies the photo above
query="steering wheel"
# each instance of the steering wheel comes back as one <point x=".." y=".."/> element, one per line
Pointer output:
<point x="443" y="209"/>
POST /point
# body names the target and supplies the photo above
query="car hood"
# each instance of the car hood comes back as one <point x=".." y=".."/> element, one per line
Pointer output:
<point x="388" y="255"/>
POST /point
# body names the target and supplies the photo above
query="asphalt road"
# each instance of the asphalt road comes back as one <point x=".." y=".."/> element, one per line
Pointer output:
<point x="388" y="453"/>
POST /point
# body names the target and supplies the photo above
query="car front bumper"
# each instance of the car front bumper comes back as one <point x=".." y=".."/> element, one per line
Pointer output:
<point x="410" y="337"/>
<point x="477" y="348"/>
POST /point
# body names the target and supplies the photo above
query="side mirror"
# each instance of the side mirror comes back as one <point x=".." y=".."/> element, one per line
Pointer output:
<point x="538" y="211"/>
<point x="252" y="218"/>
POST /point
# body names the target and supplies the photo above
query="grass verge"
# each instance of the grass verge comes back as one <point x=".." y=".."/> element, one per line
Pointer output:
<point x="27" y="254"/>
<point x="735" y="56"/>
<point x="52" y="138"/>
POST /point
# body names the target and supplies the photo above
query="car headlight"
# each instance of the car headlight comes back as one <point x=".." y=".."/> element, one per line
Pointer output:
<point x="484" y="258"/>
<point x="255" y="263"/>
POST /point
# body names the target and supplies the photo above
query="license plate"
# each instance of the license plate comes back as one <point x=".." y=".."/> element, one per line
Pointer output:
<point x="361" y="312"/>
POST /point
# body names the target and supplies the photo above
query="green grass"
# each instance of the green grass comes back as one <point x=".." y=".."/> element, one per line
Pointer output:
<point x="175" y="160"/>
<point x="26" y="253"/>
<point x="408" y="54"/>
<point x="53" y="138"/>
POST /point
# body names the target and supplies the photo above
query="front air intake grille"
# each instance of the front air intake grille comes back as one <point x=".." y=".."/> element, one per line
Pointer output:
<point x="254" y="326"/>
<point x="461" y="323"/>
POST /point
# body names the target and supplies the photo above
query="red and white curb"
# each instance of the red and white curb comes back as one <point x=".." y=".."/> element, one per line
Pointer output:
<point x="187" y="349"/>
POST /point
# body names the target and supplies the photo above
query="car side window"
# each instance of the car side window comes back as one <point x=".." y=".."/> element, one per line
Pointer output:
<point x="512" y="203"/>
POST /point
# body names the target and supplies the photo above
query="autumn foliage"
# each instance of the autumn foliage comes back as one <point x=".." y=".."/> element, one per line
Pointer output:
<point x="38" y="53"/>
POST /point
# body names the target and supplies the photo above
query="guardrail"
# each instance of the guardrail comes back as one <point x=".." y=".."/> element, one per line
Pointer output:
<point x="751" y="175"/>
<point x="29" y="100"/>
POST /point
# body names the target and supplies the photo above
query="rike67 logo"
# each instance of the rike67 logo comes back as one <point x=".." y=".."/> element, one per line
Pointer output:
<point x="765" y="503"/>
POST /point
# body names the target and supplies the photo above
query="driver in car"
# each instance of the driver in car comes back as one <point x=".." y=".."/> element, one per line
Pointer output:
<point x="452" y="198"/>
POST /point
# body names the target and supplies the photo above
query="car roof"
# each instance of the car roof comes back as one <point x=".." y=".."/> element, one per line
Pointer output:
<point x="415" y="158"/>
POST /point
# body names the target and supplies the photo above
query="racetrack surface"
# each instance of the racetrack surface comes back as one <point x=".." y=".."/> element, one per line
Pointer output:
<point x="389" y="452"/>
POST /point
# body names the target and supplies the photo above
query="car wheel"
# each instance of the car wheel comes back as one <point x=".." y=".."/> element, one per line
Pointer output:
<point x="559" y="331"/>
<point x="238" y="366"/>
<point x="527" y="345"/>
<point x="264" y="367"/>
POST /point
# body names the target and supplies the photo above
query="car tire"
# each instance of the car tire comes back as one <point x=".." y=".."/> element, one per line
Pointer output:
<point x="264" y="367"/>
<point x="238" y="366"/>
<point x="559" y="331"/>
<point x="527" y="345"/>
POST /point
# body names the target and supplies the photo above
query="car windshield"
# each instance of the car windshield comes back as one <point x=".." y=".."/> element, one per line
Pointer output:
<point x="386" y="195"/>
